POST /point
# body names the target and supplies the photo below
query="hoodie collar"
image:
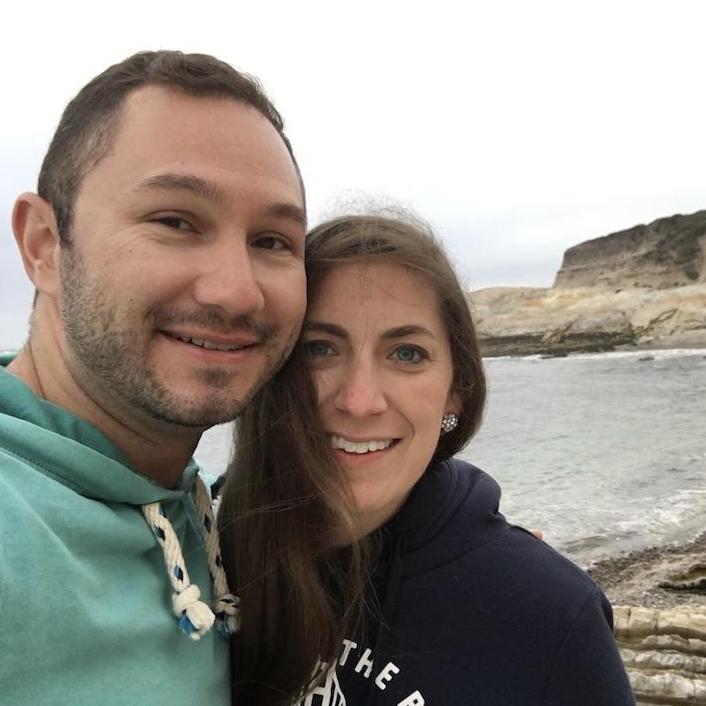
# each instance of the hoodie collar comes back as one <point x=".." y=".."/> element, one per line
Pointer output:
<point x="428" y="508"/>
<point x="453" y="509"/>
<point x="72" y="451"/>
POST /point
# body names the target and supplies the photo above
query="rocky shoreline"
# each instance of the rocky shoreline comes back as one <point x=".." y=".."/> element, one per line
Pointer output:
<point x="636" y="578"/>
<point x="659" y="612"/>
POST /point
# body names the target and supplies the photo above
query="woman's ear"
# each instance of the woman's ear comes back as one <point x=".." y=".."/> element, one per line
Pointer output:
<point x="37" y="236"/>
<point x="453" y="404"/>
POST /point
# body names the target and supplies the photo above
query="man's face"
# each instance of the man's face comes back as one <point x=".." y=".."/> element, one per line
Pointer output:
<point x="184" y="287"/>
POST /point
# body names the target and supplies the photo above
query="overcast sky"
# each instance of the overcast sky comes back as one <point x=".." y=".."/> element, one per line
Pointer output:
<point x="517" y="128"/>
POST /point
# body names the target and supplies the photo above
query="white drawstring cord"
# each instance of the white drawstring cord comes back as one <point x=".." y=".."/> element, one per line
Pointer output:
<point x="195" y="617"/>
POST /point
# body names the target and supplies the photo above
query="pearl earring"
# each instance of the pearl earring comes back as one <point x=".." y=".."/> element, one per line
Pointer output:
<point x="448" y="423"/>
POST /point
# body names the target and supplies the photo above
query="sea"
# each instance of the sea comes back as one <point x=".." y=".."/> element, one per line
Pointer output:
<point x="605" y="453"/>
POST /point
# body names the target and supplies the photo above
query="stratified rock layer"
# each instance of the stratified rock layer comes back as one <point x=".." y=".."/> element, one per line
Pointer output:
<point x="524" y="321"/>
<point x="664" y="652"/>
<point x="662" y="642"/>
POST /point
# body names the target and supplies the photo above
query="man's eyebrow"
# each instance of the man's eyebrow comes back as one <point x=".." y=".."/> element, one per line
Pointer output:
<point x="211" y="192"/>
<point x="288" y="211"/>
<point x="184" y="182"/>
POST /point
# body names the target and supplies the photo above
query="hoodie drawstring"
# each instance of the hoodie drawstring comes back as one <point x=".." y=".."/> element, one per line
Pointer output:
<point x="195" y="618"/>
<point x="226" y="605"/>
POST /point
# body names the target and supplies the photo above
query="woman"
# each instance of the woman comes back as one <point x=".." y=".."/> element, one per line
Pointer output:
<point x="460" y="607"/>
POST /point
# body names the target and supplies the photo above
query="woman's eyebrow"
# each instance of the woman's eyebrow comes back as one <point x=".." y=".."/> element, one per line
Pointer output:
<point x="340" y="332"/>
<point x="408" y="330"/>
<point x="323" y="327"/>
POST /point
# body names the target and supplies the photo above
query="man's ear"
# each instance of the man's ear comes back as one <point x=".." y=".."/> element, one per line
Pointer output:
<point x="37" y="237"/>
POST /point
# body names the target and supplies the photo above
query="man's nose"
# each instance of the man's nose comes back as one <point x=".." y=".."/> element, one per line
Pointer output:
<point x="229" y="280"/>
<point x="360" y="391"/>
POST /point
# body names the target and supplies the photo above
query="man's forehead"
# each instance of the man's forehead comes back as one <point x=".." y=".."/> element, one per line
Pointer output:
<point x="166" y="131"/>
<point x="156" y="99"/>
<point x="234" y="120"/>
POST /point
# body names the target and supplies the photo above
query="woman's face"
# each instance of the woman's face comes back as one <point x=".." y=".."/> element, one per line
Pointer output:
<point x="380" y="359"/>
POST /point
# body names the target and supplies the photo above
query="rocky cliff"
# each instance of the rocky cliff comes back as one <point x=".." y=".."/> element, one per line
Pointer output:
<point x="668" y="252"/>
<point x="645" y="286"/>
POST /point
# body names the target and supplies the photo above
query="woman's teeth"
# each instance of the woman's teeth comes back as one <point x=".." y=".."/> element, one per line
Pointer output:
<point x="358" y="447"/>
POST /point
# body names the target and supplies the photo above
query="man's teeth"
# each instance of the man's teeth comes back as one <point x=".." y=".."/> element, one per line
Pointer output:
<point x="210" y="345"/>
<point x="358" y="447"/>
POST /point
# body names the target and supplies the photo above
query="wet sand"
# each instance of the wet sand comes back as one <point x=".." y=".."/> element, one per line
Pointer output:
<point x="633" y="579"/>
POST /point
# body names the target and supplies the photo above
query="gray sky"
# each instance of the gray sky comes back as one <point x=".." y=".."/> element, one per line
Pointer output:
<point x="517" y="128"/>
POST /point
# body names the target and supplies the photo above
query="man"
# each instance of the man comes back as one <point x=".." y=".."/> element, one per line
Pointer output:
<point x="166" y="247"/>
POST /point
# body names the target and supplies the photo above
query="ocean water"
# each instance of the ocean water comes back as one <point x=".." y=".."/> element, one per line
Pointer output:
<point x="605" y="453"/>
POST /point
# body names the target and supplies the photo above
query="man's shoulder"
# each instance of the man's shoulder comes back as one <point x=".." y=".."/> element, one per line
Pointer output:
<point x="6" y="357"/>
<point x="24" y="489"/>
<point x="19" y="443"/>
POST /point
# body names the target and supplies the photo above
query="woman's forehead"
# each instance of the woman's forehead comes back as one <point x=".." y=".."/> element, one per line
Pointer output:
<point x="382" y="290"/>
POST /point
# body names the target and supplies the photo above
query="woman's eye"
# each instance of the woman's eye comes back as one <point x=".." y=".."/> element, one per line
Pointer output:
<point x="317" y="349"/>
<point x="409" y="354"/>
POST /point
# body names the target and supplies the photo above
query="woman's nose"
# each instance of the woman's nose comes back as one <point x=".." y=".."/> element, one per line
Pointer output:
<point x="360" y="392"/>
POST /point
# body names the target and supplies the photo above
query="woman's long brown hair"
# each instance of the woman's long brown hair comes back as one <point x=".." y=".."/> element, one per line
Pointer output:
<point x="285" y="506"/>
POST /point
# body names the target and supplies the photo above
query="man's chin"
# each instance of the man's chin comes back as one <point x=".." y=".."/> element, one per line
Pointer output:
<point x="192" y="407"/>
<point x="211" y="396"/>
<point x="195" y="417"/>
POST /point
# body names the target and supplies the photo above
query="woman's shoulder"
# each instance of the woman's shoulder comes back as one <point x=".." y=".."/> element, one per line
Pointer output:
<point x="477" y="495"/>
<point x="508" y="555"/>
<point x="538" y="567"/>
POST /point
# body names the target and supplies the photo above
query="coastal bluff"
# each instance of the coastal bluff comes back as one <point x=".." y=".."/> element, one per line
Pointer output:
<point x="643" y="287"/>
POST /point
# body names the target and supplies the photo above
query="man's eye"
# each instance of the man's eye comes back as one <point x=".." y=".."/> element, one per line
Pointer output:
<point x="409" y="354"/>
<point x="317" y="349"/>
<point x="271" y="242"/>
<point x="174" y="222"/>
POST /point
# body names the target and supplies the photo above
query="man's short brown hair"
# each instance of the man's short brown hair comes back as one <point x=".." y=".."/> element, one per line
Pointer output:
<point x="88" y="125"/>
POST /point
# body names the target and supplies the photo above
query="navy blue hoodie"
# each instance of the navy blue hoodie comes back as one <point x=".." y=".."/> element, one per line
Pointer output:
<point x="467" y="610"/>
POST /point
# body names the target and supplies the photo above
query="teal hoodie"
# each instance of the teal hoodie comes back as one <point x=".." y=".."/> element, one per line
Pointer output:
<point x="85" y="602"/>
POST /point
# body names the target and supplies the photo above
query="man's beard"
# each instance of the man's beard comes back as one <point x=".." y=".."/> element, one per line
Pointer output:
<point x="113" y="344"/>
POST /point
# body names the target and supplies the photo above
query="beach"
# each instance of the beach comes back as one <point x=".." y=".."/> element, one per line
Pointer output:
<point x="634" y="578"/>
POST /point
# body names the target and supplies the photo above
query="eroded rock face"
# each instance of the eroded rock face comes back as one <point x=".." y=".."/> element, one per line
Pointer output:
<point x="664" y="652"/>
<point x="668" y="252"/>
<point x="645" y="287"/>
<point x="523" y="321"/>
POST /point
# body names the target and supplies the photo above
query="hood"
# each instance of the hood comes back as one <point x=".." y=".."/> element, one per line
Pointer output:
<point x="77" y="455"/>
<point x="452" y="510"/>
<point x="450" y="495"/>
<point x="72" y="451"/>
